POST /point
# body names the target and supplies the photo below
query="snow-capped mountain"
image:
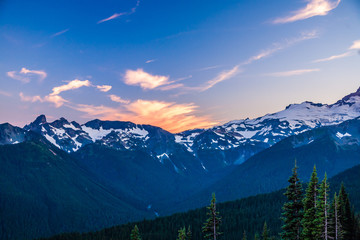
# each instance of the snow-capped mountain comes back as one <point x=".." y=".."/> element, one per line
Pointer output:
<point x="224" y="145"/>
<point x="265" y="131"/>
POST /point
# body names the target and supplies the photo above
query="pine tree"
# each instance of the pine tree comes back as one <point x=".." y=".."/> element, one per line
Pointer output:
<point x="181" y="234"/>
<point x="188" y="234"/>
<point x="309" y="224"/>
<point x="346" y="216"/>
<point x="244" y="236"/>
<point x="322" y="211"/>
<point x="135" y="234"/>
<point x="334" y="220"/>
<point x="265" y="234"/>
<point x="292" y="209"/>
<point x="256" y="237"/>
<point x="211" y="226"/>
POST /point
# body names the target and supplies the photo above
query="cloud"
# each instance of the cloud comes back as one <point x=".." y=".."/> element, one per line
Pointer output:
<point x="74" y="84"/>
<point x="280" y="46"/>
<point x="60" y="33"/>
<point x="347" y="54"/>
<point x="116" y="15"/>
<point x="292" y="73"/>
<point x="312" y="9"/>
<point x="118" y="99"/>
<point x="104" y="88"/>
<point x="151" y="60"/>
<point x="30" y="98"/>
<point x="6" y="94"/>
<point x="144" y="79"/>
<point x="54" y="97"/>
<point x="356" y="45"/>
<point x="25" y="75"/>
<point x="168" y="115"/>
<point x="221" y="77"/>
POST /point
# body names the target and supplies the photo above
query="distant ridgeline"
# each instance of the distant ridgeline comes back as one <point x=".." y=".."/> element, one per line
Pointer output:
<point x="245" y="218"/>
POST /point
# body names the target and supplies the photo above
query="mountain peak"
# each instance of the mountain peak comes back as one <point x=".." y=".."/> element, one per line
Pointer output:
<point x="40" y="120"/>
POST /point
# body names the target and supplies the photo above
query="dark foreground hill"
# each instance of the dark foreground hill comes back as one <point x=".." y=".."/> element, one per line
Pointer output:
<point x="247" y="214"/>
<point x="44" y="192"/>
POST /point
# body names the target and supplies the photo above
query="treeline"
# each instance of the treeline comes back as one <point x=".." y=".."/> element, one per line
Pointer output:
<point x="291" y="214"/>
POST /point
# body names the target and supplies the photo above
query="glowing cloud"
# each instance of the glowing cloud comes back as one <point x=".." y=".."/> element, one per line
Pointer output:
<point x="118" y="99"/>
<point x="116" y="15"/>
<point x="25" y="75"/>
<point x="292" y="73"/>
<point x="347" y="54"/>
<point x="144" y="79"/>
<point x="312" y="9"/>
<point x="167" y="115"/>
<point x="104" y="88"/>
<point x="356" y="45"/>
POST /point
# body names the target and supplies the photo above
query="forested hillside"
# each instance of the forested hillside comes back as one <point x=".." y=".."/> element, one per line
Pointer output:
<point x="248" y="214"/>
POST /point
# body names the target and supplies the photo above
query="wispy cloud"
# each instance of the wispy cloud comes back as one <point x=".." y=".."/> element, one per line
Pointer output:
<point x="30" y="98"/>
<point x="151" y="60"/>
<point x="104" y="88"/>
<point x="208" y="68"/>
<point x="292" y="72"/>
<point x="312" y="9"/>
<point x="60" y="33"/>
<point x="282" y="45"/>
<point x="6" y="94"/>
<point x="55" y="98"/>
<point x="221" y="77"/>
<point x="25" y="75"/>
<point x="334" y="57"/>
<point x="116" y="15"/>
<point x="118" y="99"/>
<point x="171" y="116"/>
<point x="145" y="80"/>
<point x="356" y="45"/>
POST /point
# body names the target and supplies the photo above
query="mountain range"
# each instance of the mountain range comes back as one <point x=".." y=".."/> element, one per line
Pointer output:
<point x="103" y="173"/>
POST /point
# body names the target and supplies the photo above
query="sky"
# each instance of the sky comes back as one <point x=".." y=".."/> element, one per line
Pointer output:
<point x="174" y="64"/>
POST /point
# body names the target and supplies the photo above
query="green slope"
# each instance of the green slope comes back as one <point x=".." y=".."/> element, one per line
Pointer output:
<point x="44" y="192"/>
<point x="247" y="214"/>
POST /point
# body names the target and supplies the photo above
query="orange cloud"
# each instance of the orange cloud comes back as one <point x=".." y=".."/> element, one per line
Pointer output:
<point x="170" y="116"/>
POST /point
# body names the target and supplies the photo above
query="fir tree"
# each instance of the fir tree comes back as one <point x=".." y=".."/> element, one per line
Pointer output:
<point x="135" y="234"/>
<point x="346" y="216"/>
<point x="322" y="214"/>
<point x="309" y="223"/>
<point x="188" y="234"/>
<point x="334" y="220"/>
<point x="211" y="226"/>
<point x="244" y="236"/>
<point x="292" y="209"/>
<point x="256" y="237"/>
<point x="181" y="234"/>
<point x="265" y="234"/>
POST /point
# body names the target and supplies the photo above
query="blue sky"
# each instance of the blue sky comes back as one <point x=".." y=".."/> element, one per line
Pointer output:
<point x="175" y="64"/>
